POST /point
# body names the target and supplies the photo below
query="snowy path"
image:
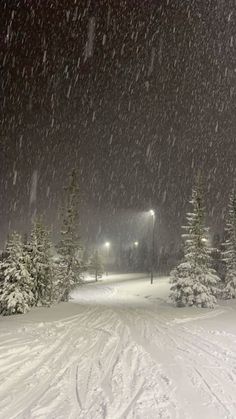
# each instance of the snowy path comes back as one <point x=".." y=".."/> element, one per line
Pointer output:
<point x="119" y="351"/>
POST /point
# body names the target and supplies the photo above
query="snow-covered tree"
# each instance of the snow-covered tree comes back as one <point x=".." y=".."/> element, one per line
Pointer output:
<point x="229" y="253"/>
<point x="194" y="282"/>
<point x="96" y="266"/>
<point x="16" y="296"/>
<point x="40" y="264"/>
<point x="69" y="247"/>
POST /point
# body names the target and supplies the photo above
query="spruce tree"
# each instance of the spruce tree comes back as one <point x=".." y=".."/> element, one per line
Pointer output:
<point x="194" y="282"/>
<point x="69" y="247"/>
<point x="229" y="253"/>
<point x="16" y="295"/>
<point x="40" y="263"/>
<point x="96" y="266"/>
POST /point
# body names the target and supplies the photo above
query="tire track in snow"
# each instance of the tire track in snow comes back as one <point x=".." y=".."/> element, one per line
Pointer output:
<point x="214" y="395"/>
<point x="121" y="344"/>
<point x="188" y="345"/>
<point x="129" y="319"/>
<point x="43" y="363"/>
<point x="46" y="358"/>
<point x="95" y="344"/>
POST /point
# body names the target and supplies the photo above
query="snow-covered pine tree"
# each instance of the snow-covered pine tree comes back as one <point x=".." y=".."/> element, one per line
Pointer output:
<point x="40" y="264"/>
<point x="16" y="295"/>
<point x="69" y="247"/>
<point x="96" y="266"/>
<point x="194" y="282"/>
<point x="229" y="253"/>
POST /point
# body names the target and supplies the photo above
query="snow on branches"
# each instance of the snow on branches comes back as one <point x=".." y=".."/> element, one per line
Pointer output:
<point x="194" y="282"/>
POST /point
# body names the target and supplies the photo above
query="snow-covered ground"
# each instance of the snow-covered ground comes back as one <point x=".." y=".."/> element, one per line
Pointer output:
<point x="119" y="350"/>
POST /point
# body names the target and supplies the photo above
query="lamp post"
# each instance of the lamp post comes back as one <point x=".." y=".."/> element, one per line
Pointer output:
<point x="107" y="246"/>
<point x="153" y="215"/>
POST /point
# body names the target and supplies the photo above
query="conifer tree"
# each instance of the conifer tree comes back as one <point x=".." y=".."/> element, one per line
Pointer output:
<point x="40" y="263"/>
<point x="16" y="295"/>
<point x="96" y="266"/>
<point x="194" y="282"/>
<point x="69" y="247"/>
<point x="229" y="253"/>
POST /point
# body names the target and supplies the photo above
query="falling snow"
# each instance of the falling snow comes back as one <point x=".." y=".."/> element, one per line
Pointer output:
<point x="139" y="98"/>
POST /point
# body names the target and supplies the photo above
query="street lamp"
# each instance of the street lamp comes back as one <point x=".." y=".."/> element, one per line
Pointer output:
<point x="153" y="215"/>
<point x="136" y="244"/>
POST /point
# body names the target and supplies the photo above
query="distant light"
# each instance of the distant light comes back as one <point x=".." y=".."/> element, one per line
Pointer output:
<point x="107" y="245"/>
<point x="204" y="240"/>
<point x="152" y="212"/>
<point x="136" y="244"/>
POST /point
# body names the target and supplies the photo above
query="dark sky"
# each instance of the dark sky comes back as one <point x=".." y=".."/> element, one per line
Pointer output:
<point x="137" y="94"/>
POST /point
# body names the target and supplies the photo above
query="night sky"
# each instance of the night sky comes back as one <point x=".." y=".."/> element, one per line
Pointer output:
<point x="138" y="95"/>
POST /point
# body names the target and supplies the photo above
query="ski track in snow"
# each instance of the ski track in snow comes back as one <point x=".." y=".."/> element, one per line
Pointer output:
<point x="117" y="361"/>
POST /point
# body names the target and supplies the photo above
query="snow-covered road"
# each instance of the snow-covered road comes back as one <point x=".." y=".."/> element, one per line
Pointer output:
<point x="119" y="351"/>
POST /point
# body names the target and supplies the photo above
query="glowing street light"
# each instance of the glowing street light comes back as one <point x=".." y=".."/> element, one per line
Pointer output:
<point x="107" y="245"/>
<point x="136" y="244"/>
<point x="153" y="215"/>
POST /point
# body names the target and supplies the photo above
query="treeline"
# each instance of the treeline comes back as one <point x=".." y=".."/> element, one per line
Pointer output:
<point x="33" y="274"/>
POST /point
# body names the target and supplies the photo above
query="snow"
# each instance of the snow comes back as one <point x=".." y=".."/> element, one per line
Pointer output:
<point x="33" y="188"/>
<point x="119" y="349"/>
<point x="91" y="35"/>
